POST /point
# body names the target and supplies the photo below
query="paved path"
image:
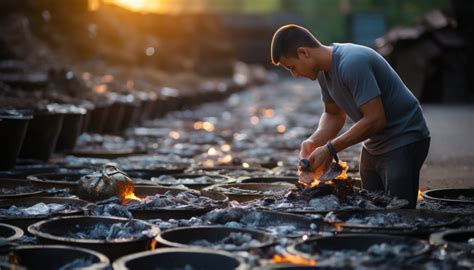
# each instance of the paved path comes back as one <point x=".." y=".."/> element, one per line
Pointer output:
<point x="450" y="162"/>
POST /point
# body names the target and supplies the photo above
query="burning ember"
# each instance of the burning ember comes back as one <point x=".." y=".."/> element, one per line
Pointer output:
<point x="292" y="259"/>
<point x="310" y="177"/>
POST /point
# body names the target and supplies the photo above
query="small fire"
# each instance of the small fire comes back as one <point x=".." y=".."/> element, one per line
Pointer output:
<point x="131" y="196"/>
<point x="420" y="190"/>
<point x="225" y="159"/>
<point x="100" y="88"/>
<point x="316" y="182"/>
<point x="292" y="259"/>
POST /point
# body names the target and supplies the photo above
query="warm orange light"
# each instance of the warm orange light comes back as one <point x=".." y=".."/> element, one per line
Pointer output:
<point x="212" y="151"/>
<point x="267" y="112"/>
<point x="420" y="190"/>
<point x="345" y="168"/>
<point x="107" y="78"/>
<point x="174" y="135"/>
<point x="208" y="126"/>
<point x="197" y="125"/>
<point x="254" y="120"/>
<point x="245" y="165"/>
<point x="138" y="5"/>
<point x="281" y="128"/>
<point x="225" y="159"/>
<point x="100" y="88"/>
<point x="315" y="182"/>
<point x="292" y="259"/>
<point x="131" y="196"/>
<point x="225" y="147"/>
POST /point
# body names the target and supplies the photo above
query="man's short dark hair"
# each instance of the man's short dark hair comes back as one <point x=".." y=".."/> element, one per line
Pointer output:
<point x="287" y="39"/>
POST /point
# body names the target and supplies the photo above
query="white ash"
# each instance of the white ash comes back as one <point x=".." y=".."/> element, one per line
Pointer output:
<point x="234" y="241"/>
<point x="104" y="231"/>
<point x="392" y="220"/>
<point x="175" y="223"/>
<point x="39" y="209"/>
<point x="375" y="255"/>
<point x="17" y="190"/>
<point x="170" y="180"/>
<point x="241" y="191"/>
<point x="182" y="200"/>
<point x="110" y="209"/>
<point x="252" y="219"/>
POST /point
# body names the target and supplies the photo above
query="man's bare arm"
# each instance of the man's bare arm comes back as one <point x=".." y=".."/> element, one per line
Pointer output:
<point x="331" y="122"/>
<point x="373" y="121"/>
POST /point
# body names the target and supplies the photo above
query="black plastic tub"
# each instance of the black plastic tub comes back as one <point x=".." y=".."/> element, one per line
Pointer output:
<point x="23" y="222"/>
<point x="53" y="257"/>
<point x="17" y="188"/>
<point x="147" y="174"/>
<point x="184" y="237"/>
<point x="70" y="131"/>
<point x="450" y="195"/>
<point x="249" y="191"/>
<point x="10" y="232"/>
<point x="53" y="231"/>
<point x="171" y="213"/>
<point x="60" y="179"/>
<point x="179" y="258"/>
<point x="114" y="118"/>
<point x="41" y="136"/>
<point x="218" y="179"/>
<point x="131" y="111"/>
<point x="358" y="242"/>
<point x="12" y="133"/>
<point x="271" y="179"/>
<point x="459" y="238"/>
<point x="434" y="221"/>
<point x="97" y="118"/>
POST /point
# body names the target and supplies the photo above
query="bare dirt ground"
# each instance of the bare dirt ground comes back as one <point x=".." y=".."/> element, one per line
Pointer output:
<point x="450" y="162"/>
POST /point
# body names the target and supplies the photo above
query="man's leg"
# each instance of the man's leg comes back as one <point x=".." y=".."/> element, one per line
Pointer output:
<point x="400" y="170"/>
<point x="370" y="178"/>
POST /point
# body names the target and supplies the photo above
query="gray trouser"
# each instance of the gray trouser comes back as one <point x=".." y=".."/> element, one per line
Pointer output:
<point x="397" y="172"/>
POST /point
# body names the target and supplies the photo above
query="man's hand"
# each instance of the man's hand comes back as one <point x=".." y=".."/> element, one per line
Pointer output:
<point x="320" y="159"/>
<point x="307" y="147"/>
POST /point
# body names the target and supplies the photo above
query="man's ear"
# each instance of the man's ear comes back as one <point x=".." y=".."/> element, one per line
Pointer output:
<point x="302" y="52"/>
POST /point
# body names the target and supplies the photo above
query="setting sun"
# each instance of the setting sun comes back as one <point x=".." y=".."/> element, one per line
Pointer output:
<point x="139" y="5"/>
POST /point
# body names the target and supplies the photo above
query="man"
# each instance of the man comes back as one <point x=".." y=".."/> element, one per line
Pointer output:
<point x="357" y="81"/>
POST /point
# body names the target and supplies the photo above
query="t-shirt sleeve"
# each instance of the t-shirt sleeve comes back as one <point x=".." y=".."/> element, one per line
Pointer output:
<point x="325" y="97"/>
<point x="359" y="78"/>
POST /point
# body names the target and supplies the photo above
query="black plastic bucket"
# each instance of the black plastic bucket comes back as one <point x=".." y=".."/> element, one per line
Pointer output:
<point x="12" y="133"/>
<point x="114" y="118"/>
<point x="41" y="136"/>
<point x="97" y="118"/>
<point x="179" y="258"/>
<point x="51" y="257"/>
<point x="70" y="131"/>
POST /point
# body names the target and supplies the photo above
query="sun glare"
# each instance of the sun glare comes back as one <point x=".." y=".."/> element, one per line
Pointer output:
<point x="139" y="5"/>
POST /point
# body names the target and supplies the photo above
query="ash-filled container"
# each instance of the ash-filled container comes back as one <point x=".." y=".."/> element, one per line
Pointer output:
<point x="112" y="236"/>
<point x="179" y="258"/>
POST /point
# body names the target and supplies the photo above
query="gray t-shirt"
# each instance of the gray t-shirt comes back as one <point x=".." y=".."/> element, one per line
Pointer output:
<point x="359" y="74"/>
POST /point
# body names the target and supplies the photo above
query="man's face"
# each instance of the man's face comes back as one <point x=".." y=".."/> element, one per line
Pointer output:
<point x="300" y="66"/>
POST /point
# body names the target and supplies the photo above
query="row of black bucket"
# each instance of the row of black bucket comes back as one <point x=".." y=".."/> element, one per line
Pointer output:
<point x="33" y="134"/>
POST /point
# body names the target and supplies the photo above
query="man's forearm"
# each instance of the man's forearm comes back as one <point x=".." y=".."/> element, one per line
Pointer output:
<point x="328" y="128"/>
<point x="359" y="132"/>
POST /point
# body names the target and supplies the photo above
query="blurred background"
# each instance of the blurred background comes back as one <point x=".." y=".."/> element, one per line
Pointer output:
<point x="65" y="51"/>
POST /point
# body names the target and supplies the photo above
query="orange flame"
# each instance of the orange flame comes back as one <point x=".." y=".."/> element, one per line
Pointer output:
<point x="420" y="190"/>
<point x="315" y="182"/>
<point x="131" y="196"/>
<point x="292" y="259"/>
